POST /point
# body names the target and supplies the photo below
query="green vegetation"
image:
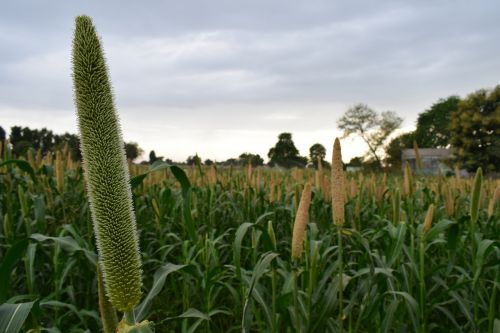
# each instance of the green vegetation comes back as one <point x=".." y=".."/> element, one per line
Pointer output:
<point x="219" y="248"/>
<point x="470" y="127"/>
<point x="285" y="154"/>
<point x="475" y="130"/>
<point x="236" y="273"/>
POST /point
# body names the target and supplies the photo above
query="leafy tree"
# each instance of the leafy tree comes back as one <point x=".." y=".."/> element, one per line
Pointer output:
<point x="475" y="130"/>
<point x="433" y="125"/>
<point x="254" y="159"/>
<point x="372" y="127"/>
<point x="15" y="134"/>
<point x="2" y="139"/>
<point x="366" y="163"/>
<point x="356" y="162"/>
<point x="73" y="142"/>
<point x="394" y="149"/>
<point x="24" y="138"/>
<point x="193" y="160"/>
<point x="132" y="150"/>
<point x="317" y="151"/>
<point x="285" y="154"/>
<point x="153" y="158"/>
<point x="21" y="148"/>
<point x="230" y="161"/>
<point x="208" y="162"/>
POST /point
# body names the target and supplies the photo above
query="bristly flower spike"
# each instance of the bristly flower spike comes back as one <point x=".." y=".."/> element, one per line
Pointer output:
<point x="105" y="169"/>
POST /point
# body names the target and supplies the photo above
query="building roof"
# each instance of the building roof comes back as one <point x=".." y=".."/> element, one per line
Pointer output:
<point x="427" y="153"/>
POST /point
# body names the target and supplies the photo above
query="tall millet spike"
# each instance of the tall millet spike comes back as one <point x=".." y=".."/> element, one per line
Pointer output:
<point x="337" y="185"/>
<point x="301" y="220"/>
<point x="105" y="170"/>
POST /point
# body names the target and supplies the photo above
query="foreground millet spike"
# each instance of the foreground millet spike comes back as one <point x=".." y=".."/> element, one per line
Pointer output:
<point x="338" y="187"/>
<point x="106" y="171"/>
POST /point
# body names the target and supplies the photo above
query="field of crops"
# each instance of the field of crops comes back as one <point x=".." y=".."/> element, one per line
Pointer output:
<point x="216" y="250"/>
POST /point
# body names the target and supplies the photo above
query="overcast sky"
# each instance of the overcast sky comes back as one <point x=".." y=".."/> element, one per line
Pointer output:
<point x="224" y="77"/>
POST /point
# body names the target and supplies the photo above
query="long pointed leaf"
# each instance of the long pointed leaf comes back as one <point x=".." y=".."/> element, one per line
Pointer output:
<point x="12" y="316"/>
<point x="158" y="283"/>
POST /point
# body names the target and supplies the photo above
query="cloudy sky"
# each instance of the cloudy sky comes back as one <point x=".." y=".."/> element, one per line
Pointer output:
<point x="223" y="77"/>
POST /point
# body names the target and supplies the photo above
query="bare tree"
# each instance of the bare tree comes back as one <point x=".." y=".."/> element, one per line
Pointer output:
<point x="372" y="127"/>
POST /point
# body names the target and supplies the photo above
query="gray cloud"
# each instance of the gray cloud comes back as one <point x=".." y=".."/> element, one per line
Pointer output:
<point x="268" y="66"/>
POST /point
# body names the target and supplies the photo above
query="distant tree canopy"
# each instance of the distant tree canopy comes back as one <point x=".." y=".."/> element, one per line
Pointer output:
<point x="254" y="159"/>
<point x="433" y="131"/>
<point x="317" y="152"/>
<point x="475" y="130"/>
<point x="230" y="162"/>
<point x="2" y="134"/>
<point x="285" y="154"/>
<point x="24" y="138"/>
<point x="193" y="160"/>
<point x="153" y="158"/>
<point x="433" y="125"/>
<point x="132" y="150"/>
<point x="372" y="127"/>
<point x="2" y="139"/>
<point x="208" y="162"/>
<point x="356" y="162"/>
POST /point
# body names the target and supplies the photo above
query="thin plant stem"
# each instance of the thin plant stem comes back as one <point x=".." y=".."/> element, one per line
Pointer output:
<point x="129" y="317"/>
<point x="341" y="280"/>
<point x="422" y="284"/>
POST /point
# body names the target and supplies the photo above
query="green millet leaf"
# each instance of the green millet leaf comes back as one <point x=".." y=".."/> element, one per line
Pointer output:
<point x="106" y="170"/>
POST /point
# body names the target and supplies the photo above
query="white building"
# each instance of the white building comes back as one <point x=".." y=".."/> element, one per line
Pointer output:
<point x="433" y="159"/>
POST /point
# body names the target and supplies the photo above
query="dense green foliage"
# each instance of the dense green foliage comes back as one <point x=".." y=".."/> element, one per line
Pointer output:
<point x="317" y="152"/>
<point x="25" y="138"/>
<point x="249" y="158"/>
<point x="433" y="125"/>
<point x="236" y="271"/>
<point x="285" y="154"/>
<point x="475" y="130"/>
<point x="469" y="126"/>
<point x="132" y="150"/>
<point x="417" y="254"/>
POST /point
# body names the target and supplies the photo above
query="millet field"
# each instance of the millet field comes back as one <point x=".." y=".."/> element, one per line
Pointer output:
<point x="106" y="245"/>
<point x="216" y="250"/>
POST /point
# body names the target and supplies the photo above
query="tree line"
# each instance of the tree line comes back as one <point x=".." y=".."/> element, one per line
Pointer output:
<point x="469" y="126"/>
<point x="284" y="153"/>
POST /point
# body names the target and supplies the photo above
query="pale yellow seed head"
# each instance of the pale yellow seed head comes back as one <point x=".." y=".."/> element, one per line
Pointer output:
<point x="59" y="169"/>
<point x="428" y="218"/>
<point x="449" y="202"/>
<point x="493" y="201"/>
<point x="301" y="220"/>
<point x="408" y="180"/>
<point x="337" y="185"/>
<point x="417" y="156"/>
